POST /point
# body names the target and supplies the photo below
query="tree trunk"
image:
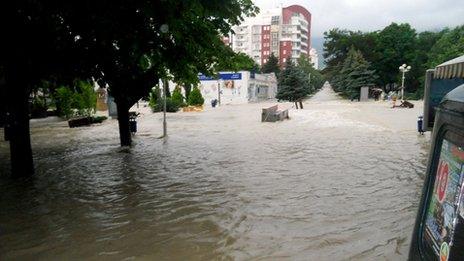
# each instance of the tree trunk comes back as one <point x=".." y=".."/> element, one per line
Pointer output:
<point x="22" y="163"/>
<point x="301" y="104"/>
<point x="296" y="105"/>
<point x="123" y="121"/>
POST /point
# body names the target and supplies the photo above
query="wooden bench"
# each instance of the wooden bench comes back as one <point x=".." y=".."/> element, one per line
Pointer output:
<point x="272" y="114"/>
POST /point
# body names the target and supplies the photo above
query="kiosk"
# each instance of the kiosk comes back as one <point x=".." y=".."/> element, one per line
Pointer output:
<point x="439" y="229"/>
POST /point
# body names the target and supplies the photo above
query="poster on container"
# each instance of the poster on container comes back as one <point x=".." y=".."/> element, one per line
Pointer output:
<point x="446" y="202"/>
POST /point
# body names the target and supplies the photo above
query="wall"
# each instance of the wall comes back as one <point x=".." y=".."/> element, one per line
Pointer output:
<point x="261" y="87"/>
<point x="232" y="91"/>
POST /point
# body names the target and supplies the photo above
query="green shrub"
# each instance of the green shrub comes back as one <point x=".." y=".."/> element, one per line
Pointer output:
<point x="85" y="98"/>
<point x="98" y="119"/>
<point x="171" y="106"/>
<point x="177" y="97"/>
<point x="154" y="98"/>
<point x="63" y="99"/>
<point x="80" y="101"/>
<point x="39" y="107"/>
<point x="195" y="98"/>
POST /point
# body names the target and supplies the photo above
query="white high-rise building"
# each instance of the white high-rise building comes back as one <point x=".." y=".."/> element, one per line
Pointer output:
<point x="286" y="32"/>
<point x="314" y="56"/>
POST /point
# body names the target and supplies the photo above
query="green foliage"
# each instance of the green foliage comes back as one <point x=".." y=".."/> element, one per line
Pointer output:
<point x="338" y="43"/>
<point x="39" y="107"/>
<point x="177" y="97"/>
<point x="396" y="45"/>
<point x="171" y="106"/>
<point x="80" y="101"/>
<point x="173" y="103"/>
<point x="195" y="98"/>
<point x="154" y="97"/>
<point x="238" y="62"/>
<point x="354" y="74"/>
<point x="63" y="99"/>
<point x="98" y="119"/>
<point x="272" y="65"/>
<point x="293" y="84"/>
<point x="449" y="46"/>
<point x="387" y="49"/>
<point x="316" y="80"/>
<point x="85" y="98"/>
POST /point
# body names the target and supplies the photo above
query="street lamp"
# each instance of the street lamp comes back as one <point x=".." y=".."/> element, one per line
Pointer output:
<point x="404" y="69"/>
<point x="164" y="28"/>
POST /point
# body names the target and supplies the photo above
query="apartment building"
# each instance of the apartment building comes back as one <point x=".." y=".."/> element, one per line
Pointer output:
<point x="285" y="31"/>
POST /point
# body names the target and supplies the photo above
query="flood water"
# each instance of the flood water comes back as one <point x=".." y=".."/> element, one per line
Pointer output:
<point x="337" y="181"/>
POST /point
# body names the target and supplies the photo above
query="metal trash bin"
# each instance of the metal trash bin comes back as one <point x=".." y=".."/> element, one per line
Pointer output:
<point x="420" y="125"/>
<point x="133" y="121"/>
<point x="133" y="125"/>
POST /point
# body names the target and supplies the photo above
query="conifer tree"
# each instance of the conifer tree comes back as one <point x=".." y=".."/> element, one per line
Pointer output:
<point x="293" y="84"/>
<point x="355" y="73"/>
<point x="272" y="65"/>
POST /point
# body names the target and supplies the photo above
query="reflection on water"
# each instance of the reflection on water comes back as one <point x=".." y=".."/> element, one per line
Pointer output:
<point x="224" y="186"/>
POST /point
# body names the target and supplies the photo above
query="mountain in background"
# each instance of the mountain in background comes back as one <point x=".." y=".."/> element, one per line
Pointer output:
<point x="317" y="43"/>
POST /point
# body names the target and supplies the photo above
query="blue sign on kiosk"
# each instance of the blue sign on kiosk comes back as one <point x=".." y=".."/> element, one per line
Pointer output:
<point x="222" y="76"/>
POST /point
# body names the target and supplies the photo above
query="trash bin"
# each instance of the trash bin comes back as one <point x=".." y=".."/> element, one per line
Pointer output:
<point x="420" y="124"/>
<point x="133" y="125"/>
<point x="133" y="122"/>
<point x="213" y="103"/>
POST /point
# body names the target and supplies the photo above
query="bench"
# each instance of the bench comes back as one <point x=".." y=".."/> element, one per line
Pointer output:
<point x="272" y="114"/>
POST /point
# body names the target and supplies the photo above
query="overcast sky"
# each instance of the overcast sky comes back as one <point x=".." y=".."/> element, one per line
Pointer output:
<point x="370" y="15"/>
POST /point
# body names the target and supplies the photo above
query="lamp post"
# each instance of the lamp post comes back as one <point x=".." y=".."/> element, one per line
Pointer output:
<point x="165" y="125"/>
<point x="164" y="28"/>
<point x="404" y="69"/>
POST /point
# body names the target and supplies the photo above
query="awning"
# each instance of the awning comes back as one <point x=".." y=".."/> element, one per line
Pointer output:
<point x="450" y="69"/>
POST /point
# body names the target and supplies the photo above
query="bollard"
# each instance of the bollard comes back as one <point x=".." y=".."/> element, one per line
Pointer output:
<point x="420" y="124"/>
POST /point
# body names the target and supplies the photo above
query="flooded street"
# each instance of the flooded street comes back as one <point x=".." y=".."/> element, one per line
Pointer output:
<point x="338" y="181"/>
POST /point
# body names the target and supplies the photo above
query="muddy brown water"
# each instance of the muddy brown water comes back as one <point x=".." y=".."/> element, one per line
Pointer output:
<point x="331" y="183"/>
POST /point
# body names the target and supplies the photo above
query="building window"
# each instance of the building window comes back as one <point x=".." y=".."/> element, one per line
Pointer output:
<point x="285" y="52"/>
<point x="275" y="20"/>
<point x="284" y="60"/>
<point x="285" y="43"/>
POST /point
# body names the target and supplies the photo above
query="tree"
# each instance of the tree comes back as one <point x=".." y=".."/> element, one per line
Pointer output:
<point x="355" y="73"/>
<point x="195" y="98"/>
<point x="272" y="65"/>
<point x="127" y="45"/>
<point x="293" y="84"/>
<point x="450" y="45"/>
<point x="396" y="45"/>
<point x="237" y="62"/>
<point x="177" y="97"/>
<point x="338" y="43"/>
<point x="40" y="47"/>
<point x="316" y="80"/>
